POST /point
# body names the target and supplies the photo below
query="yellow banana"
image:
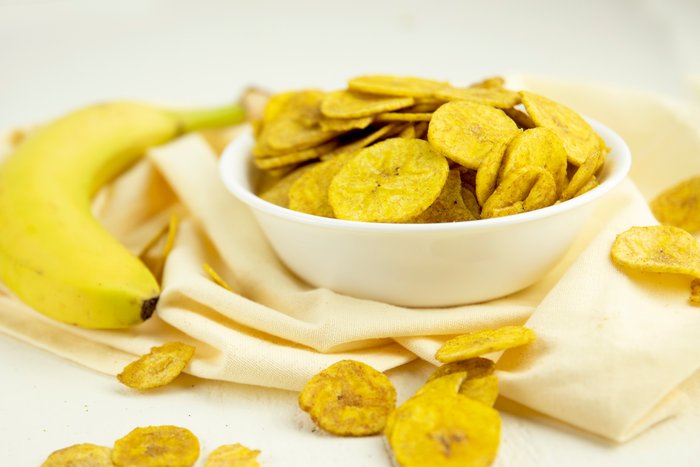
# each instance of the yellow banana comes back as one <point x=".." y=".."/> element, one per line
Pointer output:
<point x="54" y="255"/>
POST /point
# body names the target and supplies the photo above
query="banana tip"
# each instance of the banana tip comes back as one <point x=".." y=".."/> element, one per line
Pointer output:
<point x="148" y="307"/>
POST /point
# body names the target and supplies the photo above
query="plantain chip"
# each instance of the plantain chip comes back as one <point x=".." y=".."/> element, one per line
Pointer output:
<point x="475" y="344"/>
<point x="495" y="97"/>
<point x="438" y="429"/>
<point x="233" y="455"/>
<point x="476" y="367"/>
<point x="404" y="117"/>
<point x="538" y="147"/>
<point x="579" y="139"/>
<point x="389" y="85"/>
<point x="679" y="205"/>
<point x="156" y="446"/>
<point x="279" y="192"/>
<point x="467" y="132"/>
<point x="524" y="189"/>
<point x="349" y="398"/>
<point x="583" y="176"/>
<point x="492" y="82"/>
<point x="391" y="181"/>
<point x="345" y="124"/>
<point x="87" y="455"/>
<point x="483" y="389"/>
<point x="309" y="193"/>
<point x="448" y="384"/>
<point x="520" y="118"/>
<point x="352" y="104"/>
<point x="449" y="205"/>
<point x="657" y="248"/>
<point x="159" y="367"/>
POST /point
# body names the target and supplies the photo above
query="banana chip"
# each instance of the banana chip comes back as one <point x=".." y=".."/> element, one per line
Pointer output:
<point x="279" y="192"/>
<point x="483" y="342"/>
<point x="695" y="292"/>
<point x="467" y="132"/>
<point x="157" y="368"/>
<point x="538" y="147"/>
<point x="88" y="455"/>
<point x="345" y="124"/>
<point x="156" y="446"/>
<point x="349" y="398"/>
<point x="404" y="86"/>
<point x="351" y="104"/>
<point x="404" y="117"/>
<point x="520" y="118"/>
<point x="476" y="367"/>
<point x="233" y="455"/>
<point x="439" y="429"/>
<point x="309" y="193"/>
<point x="484" y="389"/>
<point x="391" y="181"/>
<point x="679" y="205"/>
<point x="493" y="82"/>
<point x="576" y="134"/>
<point x="448" y="384"/>
<point x="449" y="205"/>
<point x="658" y="248"/>
<point x="583" y="176"/>
<point x="524" y="189"/>
<point x="495" y="97"/>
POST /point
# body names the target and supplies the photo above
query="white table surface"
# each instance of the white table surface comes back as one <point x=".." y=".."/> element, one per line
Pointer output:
<point x="58" y="55"/>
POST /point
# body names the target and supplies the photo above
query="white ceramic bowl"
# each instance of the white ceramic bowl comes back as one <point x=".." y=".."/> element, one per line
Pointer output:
<point x="421" y="265"/>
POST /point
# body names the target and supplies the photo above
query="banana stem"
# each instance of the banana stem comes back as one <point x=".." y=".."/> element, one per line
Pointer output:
<point x="198" y="119"/>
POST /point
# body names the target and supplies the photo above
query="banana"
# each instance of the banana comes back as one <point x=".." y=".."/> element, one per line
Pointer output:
<point x="54" y="255"/>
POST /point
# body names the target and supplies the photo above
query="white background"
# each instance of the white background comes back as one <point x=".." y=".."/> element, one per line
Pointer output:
<point x="58" y="55"/>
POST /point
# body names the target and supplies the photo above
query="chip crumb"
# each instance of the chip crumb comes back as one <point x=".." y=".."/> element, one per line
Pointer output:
<point x="233" y="455"/>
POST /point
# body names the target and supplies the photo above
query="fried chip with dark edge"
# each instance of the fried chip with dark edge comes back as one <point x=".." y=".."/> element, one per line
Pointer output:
<point x="349" y="398"/>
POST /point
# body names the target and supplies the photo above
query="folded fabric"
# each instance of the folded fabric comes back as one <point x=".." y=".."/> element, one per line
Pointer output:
<point x="611" y="348"/>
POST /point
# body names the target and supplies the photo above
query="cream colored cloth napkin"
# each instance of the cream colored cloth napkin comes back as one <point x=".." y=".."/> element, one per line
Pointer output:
<point x="612" y="349"/>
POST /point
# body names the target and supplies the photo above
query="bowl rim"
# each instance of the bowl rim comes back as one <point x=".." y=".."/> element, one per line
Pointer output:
<point x="231" y="163"/>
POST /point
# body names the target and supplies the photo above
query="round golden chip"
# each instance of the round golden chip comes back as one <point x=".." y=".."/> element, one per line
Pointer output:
<point x="80" y="455"/>
<point x="657" y="248"/>
<point x="389" y="85"/>
<point x="483" y="342"/>
<point x="276" y="162"/>
<point x="351" y="104"/>
<point x="539" y="147"/>
<point x="376" y="135"/>
<point x="391" y="181"/>
<point x="233" y="455"/>
<point x="349" y="398"/>
<point x="590" y="184"/>
<point x="579" y="139"/>
<point x="156" y="446"/>
<point x="484" y="389"/>
<point x="309" y="193"/>
<point x="679" y="205"/>
<point x="449" y="205"/>
<point x="441" y="430"/>
<point x="157" y="368"/>
<point x="495" y="97"/>
<point x="524" y="189"/>
<point x="466" y="132"/>
<point x="476" y="367"/>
